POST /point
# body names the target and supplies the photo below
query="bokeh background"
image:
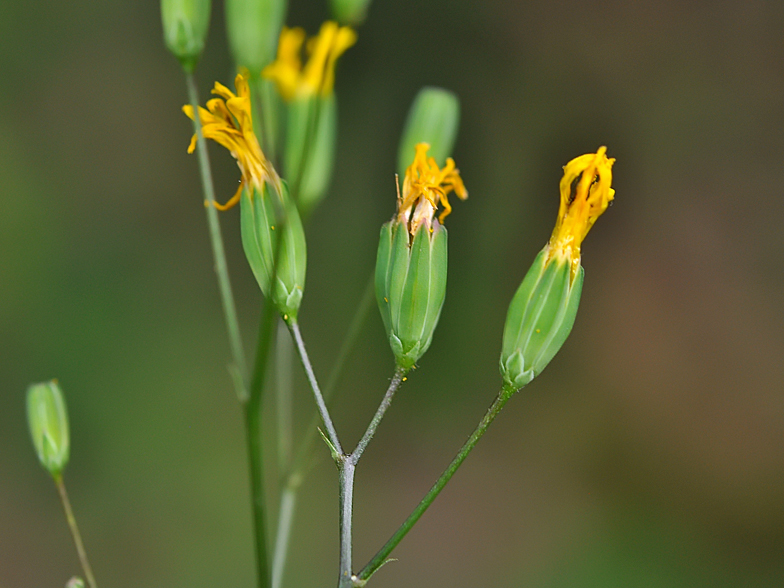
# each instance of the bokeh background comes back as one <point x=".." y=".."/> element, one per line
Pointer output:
<point x="649" y="454"/>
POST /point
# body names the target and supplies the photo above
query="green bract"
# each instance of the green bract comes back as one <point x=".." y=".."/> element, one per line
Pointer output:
<point x="539" y="319"/>
<point x="47" y="418"/>
<point x="261" y="217"/>
<point x="410" y="287"/>
<point x="185" y="24"/>
<point x="318" y="151"/>
<point x="434" y="118"/>
<point x="253" y="27"/>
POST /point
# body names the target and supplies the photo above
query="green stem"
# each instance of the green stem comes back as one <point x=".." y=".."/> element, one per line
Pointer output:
<point x="283" y="396"/>
<point x="296" y="472"/>
<point x="332" y="434"/>
<point x="397" y="379"/>
<point x="347" y="468"/>
<point x="77" y="537"/>
<point x="381" y="557"/>
<point x="219" y="255"/>
<point x="288" y="502"/>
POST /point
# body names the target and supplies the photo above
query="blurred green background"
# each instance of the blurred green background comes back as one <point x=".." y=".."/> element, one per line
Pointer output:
<point x="649" y="454"/>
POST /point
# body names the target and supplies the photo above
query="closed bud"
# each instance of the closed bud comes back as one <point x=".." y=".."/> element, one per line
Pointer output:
<point x="543" y="310"/>
<point x="264" y="213"/>
<point x="351" y="12"/>
<point x="47" y="418"/>
<point x="75" y="582"/>
<point x="185" y="24"/>
<point x="411" y="264"/>
<point x="253" y="27"/>
<point x="434" y="118"/>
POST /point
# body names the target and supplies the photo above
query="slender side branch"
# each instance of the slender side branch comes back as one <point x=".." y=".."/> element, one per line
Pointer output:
<point x="77" y="537"/>
<point x="381" y="557"/>
<point x="296" y="472"/>
<point x="322" y="407"/>
<point x="382" y="409"/>
<point x="221" y="269"/>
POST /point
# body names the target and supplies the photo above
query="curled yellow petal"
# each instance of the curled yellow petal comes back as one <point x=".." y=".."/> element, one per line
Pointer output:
<point x="585" y="194"/>
<point x="318" y="74"/>
<point x="425" y="187"/>
<point x="228" y="121"/>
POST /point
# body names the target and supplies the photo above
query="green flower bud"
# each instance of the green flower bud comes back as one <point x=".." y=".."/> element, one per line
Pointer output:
<point x="318" y="153"/>
<point x="410" y="287"/>
<point x="47" y="418"/>
<point x="540" y="318"/>
<point x="543" y="310"/>
<point x="351" y="12"/>
<point x="411" y="264"/>
<point x="185" y="24"/>
<point x="434" y="118"/>
<point x="261" y="216"/>
<point x="253" y="27"/>
<point x="75" y="582"/>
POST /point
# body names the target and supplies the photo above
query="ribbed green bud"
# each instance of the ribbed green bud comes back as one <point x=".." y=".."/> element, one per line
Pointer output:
<point x="47" y="418"/>
<point x="261" y="217"/>
<point x="318" y="155"/>
<point x="434" y="118"/>
<point x="349" y="12"/>
<point x="411" y="286"/>
<point x="253" y="27"/>
<point x="540" y="318"/>
<point x="185" y="24"/>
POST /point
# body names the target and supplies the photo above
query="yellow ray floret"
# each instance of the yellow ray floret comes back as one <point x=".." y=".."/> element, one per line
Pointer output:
<point x="585" y="195"/>
<point x="227" y="120"/>
<point x="426" y="186"/>
<point x="318" y="74"/>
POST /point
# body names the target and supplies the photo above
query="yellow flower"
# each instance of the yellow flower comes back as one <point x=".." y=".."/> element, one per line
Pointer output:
<point x="425" y="187"/>
<point x="585" y="195"/>
<point x="227" y="120"/>
<point x="318" y="75"/>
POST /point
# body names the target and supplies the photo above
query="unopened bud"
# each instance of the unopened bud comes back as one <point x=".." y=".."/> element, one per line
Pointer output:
<point x="185" y="24"/>
<point x="47" y="418"/>
<point x="253" y="27"/>
<point x="350" y="12"/>
<point x="434" y="118"/>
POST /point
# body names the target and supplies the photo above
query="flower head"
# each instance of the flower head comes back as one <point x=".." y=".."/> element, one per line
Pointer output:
<point x="585" y="195"/>
<point x="425" y="187"/>
<point x="227" y="120"/>
<point x="318" y="74"/>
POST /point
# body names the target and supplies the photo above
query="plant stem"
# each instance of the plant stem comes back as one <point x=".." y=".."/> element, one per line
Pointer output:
<point x="88" y="571"/>
<point x="252" y="413"/>
<point x="347" y="468"/>
<point x="381" y="557"/>
<point x="382" y="409"/>
<point x="219" y="255"/>
<point x="288" y="502"/>
<point x="283" y="396"/>
<point x="296" y="471"/>
<point x="322" y="407"/>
